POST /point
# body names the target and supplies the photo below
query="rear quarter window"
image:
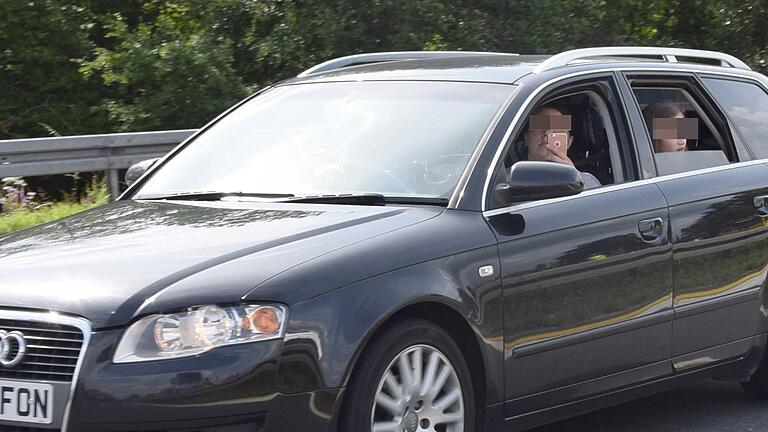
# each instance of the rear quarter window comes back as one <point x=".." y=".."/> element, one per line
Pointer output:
<point x="747" y="106"/>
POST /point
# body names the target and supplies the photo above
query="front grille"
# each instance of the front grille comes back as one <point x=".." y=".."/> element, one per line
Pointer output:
<point x="52" y="353"/>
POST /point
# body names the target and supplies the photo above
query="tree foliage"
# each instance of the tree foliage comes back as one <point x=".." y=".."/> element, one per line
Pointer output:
<point x="170" y="71"/>
<point x="83" y="66"/>
<point x="42" y="91"/>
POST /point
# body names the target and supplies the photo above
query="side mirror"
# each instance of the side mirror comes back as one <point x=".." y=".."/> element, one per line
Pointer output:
<point x="138" y="169"/>
<point x="530" y="181"/>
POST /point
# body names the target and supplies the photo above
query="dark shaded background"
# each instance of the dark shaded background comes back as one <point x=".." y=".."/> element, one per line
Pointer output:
<point x="710" y="406"/>
<point x="101" y="66"/>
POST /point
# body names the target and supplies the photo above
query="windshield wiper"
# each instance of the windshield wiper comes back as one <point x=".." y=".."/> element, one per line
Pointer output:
<point x="367" y="199"/>
<point x="355" y="199"/>
<point x="211" y="196"/>
<point x="440" y="202"/>
<point x="373" y="199"/>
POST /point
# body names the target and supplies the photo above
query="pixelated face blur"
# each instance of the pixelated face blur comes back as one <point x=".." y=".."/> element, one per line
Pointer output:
<point x="670" y="144"/>
<point x="536" y="137"/>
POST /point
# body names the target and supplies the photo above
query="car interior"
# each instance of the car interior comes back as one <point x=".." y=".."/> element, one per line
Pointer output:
<point x="710" y="149"/>
<point x="594" y="148"/>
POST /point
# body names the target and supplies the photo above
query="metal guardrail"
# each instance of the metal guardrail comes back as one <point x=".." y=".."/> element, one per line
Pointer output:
<point x="107" y="152"/>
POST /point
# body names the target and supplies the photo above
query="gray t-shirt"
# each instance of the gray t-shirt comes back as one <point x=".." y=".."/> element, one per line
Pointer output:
<point x="590" y="181"/>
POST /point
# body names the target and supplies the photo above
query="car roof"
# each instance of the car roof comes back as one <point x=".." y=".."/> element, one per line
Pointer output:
<point x="506" y="68"/>
<point x="491" y="68"/>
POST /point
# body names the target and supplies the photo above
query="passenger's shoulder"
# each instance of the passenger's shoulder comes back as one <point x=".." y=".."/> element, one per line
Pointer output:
<point x="590" y="181"/>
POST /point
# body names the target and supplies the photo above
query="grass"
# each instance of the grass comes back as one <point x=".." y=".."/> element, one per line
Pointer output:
<point x="25" y="217"/>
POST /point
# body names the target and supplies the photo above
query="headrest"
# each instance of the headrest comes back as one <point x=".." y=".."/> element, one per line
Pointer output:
<point x="588" y="130"/>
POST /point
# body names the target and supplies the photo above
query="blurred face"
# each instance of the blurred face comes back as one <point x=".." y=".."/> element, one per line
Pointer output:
<point x="535" y="139"/>
<point x="670" y="145"/>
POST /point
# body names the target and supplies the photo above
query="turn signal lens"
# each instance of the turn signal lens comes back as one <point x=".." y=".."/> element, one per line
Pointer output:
<point x="265" y="320"/>
<point x="198" y="330"/>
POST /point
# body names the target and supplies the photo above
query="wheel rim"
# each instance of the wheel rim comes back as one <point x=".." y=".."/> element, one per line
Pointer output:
<point x="419" y="392"/>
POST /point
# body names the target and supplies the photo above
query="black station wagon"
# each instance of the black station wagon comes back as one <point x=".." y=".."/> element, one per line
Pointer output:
<point x="413" y="241"/>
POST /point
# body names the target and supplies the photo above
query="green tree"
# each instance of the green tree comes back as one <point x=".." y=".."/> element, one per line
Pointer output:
<point x="43" y="92"/>
<point x="172" y="72"/>
<point x="161" y="64"/>
<point x="276" y="39"/>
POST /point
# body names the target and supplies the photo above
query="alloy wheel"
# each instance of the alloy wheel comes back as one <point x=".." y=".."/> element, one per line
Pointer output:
<point x="419" y="392"/>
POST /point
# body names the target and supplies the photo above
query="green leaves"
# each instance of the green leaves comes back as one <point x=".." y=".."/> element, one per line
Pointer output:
<point x="84" y="66"/>
<point x="40" y="42"/>
<point x="169" y="73"/>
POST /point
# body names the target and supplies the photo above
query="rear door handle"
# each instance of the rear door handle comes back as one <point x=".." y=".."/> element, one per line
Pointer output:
<point x="761" y="204"/>
<point x="651" y="229"/>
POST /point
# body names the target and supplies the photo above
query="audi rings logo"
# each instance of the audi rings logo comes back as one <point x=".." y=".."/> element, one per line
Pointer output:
<point x="12" y="348"/>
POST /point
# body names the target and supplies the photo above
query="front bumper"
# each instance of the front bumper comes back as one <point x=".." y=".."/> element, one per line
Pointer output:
<point x="229" y="389"/>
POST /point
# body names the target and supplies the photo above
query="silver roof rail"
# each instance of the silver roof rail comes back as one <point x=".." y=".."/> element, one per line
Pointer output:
<point x="667" y="54"/>
<point x="360" y="59"/>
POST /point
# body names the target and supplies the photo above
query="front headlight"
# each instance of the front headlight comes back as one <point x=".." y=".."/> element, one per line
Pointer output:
<point x="198" y="330"/>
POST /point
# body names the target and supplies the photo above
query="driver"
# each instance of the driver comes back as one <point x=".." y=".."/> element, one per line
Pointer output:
<point x="535" y="147"/>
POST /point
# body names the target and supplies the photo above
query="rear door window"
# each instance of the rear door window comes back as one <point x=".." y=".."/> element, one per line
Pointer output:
<point x="747" y="106"/>
<point x="686" y="131"/>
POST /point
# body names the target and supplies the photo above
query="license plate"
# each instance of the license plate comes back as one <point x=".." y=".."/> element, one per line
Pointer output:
<point x="26" y="402"/>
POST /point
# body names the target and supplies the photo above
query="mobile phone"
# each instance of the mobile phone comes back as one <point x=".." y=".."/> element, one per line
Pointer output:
<point x="558" y="140"/>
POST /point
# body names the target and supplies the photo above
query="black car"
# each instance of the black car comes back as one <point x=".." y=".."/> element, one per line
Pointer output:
<point x="410" y="242"/>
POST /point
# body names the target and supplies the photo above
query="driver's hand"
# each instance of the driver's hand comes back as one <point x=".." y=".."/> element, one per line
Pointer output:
<point x="558" y="155"/>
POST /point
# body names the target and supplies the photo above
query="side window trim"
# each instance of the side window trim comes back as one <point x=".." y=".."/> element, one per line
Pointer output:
<point x="702" y="115"/>
<point x="619" y="176"/>
<point x="620" y="186"/>
<point x="484" y="178"/>
<point x="690" y="80"/>
<point x="547" y="93"/>
<point x="742" y="144"/>
<point x="702" y="111"/>
<point x="642" y="141"/>
<point x="740" y="152"/>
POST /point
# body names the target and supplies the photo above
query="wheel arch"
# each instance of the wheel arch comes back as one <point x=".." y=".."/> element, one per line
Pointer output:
<point x="449" y="319"/>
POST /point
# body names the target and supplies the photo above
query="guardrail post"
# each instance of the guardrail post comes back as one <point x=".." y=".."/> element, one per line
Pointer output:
<point x="113" y="183"/>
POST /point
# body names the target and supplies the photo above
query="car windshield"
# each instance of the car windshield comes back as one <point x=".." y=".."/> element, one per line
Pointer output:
<point x="407" y="139"/>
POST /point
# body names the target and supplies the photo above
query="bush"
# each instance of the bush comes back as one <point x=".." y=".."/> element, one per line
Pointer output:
<point x="24" y="212"/>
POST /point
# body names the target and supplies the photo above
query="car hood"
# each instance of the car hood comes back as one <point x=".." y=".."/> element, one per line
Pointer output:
<point x="109" y="263"/>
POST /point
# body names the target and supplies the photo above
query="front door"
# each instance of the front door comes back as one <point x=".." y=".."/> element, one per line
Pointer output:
<point x="587" y="279"/>
<point x="587" y="294"/>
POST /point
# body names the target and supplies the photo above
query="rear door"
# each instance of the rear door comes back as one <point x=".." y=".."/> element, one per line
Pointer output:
<point x="719" y="236"/>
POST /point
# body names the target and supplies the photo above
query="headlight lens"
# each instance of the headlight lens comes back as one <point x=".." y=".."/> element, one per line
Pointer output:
<point x="198" y="330"/>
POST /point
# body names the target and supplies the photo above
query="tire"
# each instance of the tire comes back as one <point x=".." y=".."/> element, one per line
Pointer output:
<point x="372" y="401"/>
<point x="757" y="386"/>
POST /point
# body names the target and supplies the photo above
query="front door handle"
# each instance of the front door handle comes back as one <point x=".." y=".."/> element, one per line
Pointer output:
<point x="651" y="229"/>
<point x="761" y="204"/>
